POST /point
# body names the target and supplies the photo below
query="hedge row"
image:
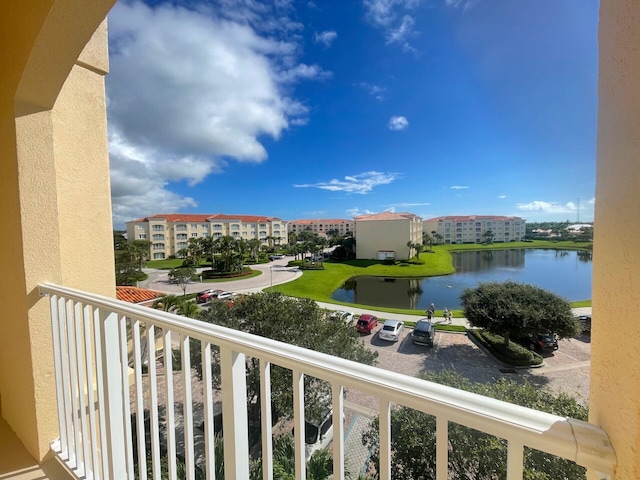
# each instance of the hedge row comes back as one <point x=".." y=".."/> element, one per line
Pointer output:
<point x="513" y="354"/>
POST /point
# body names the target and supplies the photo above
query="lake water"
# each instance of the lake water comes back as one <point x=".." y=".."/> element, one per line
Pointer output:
<point x="564" y="272"/>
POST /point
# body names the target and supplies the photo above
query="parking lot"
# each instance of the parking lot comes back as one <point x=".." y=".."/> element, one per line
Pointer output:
<point x="564" y="370"/>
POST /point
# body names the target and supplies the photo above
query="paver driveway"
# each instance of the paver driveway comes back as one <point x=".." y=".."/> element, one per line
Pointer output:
<point x="566" y="369"/>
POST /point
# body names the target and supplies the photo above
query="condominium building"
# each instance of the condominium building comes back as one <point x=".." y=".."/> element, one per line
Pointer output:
<point x="385" y="235"/>
<point x="170" y="233"/>
<point x="475" y="228"/>
<point x="322" y="225"/>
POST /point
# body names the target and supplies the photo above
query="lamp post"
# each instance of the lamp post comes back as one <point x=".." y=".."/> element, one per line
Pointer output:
<point x="271" y="271"/>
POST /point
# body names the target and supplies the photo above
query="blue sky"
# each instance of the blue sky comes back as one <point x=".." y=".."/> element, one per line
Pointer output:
<point x="331" y="109"/>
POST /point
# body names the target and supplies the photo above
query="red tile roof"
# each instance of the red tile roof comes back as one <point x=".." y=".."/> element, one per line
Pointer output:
<point x="387" y="216"/>
<point x="136" y="295"/>
<point x="472" y="218"/>
<point x="205" y="217"/>
<point x="318" y="220"/>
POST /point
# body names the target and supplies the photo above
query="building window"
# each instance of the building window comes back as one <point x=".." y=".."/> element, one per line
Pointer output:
<point x="235" y="226"/>
<point x="158" y="237"/>
<point x="204" y="225"/>
<point x="217" y="226"/>
<point x="194" y="225"/>
<point x="181" y="227"/>
<point x="140" y="227"/>
<point x="205" y="235"/>
<point x="158" y="256"/>
<point x="263" y="234"/>
<point x="182" y="244"/>
<point x="235" y="234"/>
<point x="158" y="228"/>
<point x="194" y="235"/>
<point x="142" y="236"/>
<point x="158" y="246"/>
<point x="181" y="236"/>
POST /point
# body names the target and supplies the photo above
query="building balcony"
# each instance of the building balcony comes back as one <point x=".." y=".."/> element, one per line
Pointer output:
<point x="114" y="360"/>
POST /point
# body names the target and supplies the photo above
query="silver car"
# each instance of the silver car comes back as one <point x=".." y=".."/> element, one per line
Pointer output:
<point x="391" y="330"/>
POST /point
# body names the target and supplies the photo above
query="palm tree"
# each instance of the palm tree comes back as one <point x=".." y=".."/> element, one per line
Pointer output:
<point x="226" y="245"/>
<point x="410" y="245"/>
<point x="168" y="303"/>
<point x="488" y="235"/>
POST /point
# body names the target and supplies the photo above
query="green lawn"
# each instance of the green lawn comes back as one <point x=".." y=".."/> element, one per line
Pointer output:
<point x="320" y="284"/>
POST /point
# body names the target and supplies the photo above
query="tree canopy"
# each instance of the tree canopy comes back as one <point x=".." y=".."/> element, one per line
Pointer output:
<point x="297" y="322"/>
<point x="473" y="454"/>
<point x="511" y="308"/>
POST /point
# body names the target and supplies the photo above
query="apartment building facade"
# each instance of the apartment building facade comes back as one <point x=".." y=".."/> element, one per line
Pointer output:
<point x="170" y="233"/>
<point x="385" y="235"/>
<point x="476" y="228"/>
<point x="322" y="225"/>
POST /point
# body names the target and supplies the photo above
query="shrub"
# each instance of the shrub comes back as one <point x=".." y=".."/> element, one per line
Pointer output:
<point x="513" y="354"/>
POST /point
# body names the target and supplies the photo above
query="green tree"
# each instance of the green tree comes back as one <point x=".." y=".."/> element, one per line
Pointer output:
<point x="473" y="454"/>
<point x="298" y="322"/>
<point x="182" y="276"/>
<point x="488" y="236"/>
<point x="517" y="308"/>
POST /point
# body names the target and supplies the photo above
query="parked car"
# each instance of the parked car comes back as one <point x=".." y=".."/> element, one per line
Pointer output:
<point x="539" y="342"/>
<point x="276" y="256"/>
<point x="424" y="332"/>
<point x="226" y="295"/>
<point x="207" y="295"/>
<point x="366" y="323"/>
<point x="343" y="315"/>
<point x="585" y="323"/>
<point x="391" y="330"/>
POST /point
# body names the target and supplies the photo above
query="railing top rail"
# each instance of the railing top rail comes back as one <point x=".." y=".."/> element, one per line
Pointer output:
<point x="585" y="443"/>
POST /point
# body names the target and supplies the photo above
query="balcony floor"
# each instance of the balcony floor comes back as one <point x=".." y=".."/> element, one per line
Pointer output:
<point x="17" y="464"/>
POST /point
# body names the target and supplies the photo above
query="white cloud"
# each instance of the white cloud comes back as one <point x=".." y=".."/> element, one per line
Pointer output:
<point x="355" y="212"/>
<point x="401" y="32"/>
<point x="405" y="205"/>
<point x="502" y="196"/>
<point x="190" y="90"/>
<point x="392" y="17"/>
<point x="458" y="187"/>
<point x="464" y="4"/>
<point x="375" y="91"/>
<point x="326" y="38"/>
<point x="398" y="123"/>
<point x="306" y="72"/>
<point x="362" y="183"/>
<point x="547" y="207"/>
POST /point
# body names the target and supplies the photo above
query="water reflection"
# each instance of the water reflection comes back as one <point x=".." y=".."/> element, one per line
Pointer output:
<point x="565" y="272"/>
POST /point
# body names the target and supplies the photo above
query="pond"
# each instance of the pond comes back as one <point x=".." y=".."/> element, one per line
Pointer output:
<point x="564" y="272"/>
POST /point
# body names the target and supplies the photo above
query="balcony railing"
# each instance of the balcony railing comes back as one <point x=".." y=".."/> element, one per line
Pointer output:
<point x="100" y="355"/>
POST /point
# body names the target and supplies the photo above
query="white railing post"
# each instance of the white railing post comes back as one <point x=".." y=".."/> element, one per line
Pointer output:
<point x="337" y="400"/>
<point x="298" y="424"/>
<point x="114" y="410"/>
<point x="234" y="414"/>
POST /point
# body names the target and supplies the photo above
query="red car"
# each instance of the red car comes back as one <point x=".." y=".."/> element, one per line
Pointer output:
<point x="207" y="295"/>
<point x="366" y="323"/>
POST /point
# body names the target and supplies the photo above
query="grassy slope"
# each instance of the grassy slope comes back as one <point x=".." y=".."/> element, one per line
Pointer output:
<point x="320" y="284"/>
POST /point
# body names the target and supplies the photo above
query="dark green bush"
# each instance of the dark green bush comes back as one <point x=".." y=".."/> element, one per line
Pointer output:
<point x="513" y="354"/>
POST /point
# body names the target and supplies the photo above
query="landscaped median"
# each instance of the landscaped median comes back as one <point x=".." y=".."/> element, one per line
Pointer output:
<point x="512" y="354"/>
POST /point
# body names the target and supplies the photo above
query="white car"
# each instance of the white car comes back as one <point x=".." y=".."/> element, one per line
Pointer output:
<point x="226" y="295"/>
<point x="346" y="317"/>
<point x="391" y="330"/>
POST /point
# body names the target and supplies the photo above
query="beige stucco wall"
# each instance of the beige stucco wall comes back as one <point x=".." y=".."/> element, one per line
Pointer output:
<point x="375" y="235"/>
<point x="53" y="178"/>
<point x="615" y="370"/>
